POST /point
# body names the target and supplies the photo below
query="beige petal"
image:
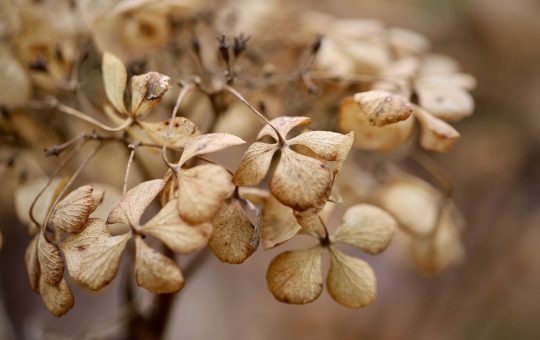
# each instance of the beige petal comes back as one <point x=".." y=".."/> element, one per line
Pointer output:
<point x="51" y="264"/>
<point x="405" y="42"/>
<point x="147" y="90"/>
<point x="210" y="142"/>
<point x="383" y="108"/>
<point x="178" y="235"/>
<point x="278" y="223"/>
<point x="32" y="264"/>
<point x="97" y="196"/>
<point x="114" y="80"/>
<point x="284" y="125"/>
<point x="93" y="256"/>
<point x="367" y="136"/>
<point x="351" y="281"/>
<point x="201" y="191"/>
<point x="254" y="195"/>
<point x="182" y="131"/>
<point x="455" y="80"/>
<point x="434" y="254"/>
<point x="413" y="202"/>
<point x="154" y="271"/>
<point x="233" y="239"/>
<point x="254" y="164"/>
<point x="135" y="202"/>
<point x="300" y="182"/>
<point x="330" y="146"/>
<point x="366" y="227"/>
<point x="58" y="298"/>
<point x="436" y="135"/>
<point x="445" y="102"/>
<point x="295" y="276"/>
<point x="313" y="220"/>
<point x="72" y="212"/>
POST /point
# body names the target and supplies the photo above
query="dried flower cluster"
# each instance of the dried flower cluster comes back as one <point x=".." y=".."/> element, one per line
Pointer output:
<point x="370" y="92"/>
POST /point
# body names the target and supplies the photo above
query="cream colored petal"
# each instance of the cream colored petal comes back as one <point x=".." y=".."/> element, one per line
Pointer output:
<point x="254" y="164"/>
<point x="51" y="263"/>
<point x="367" y="136"/>
<point x="72" y="212"/>
<point x="436" y="135"/>
<point x="445" y="102"/>
<point x="234" y="238"/>
<point x="434" y="254"/>
<point x="405" y="42"/>
<point x="455" y="80"/>
<point x="295" y="276"/>
<point x="383" y="108"/>
<point x="58" y="298"/>
<point x="413" y="202"/>
<point x="114" y="80"/>
<point x="135" y="202"/>
<point x="147" y="90"/>
<point x="210" y="142"/>
<point x="330" y="146"/>
<point x="351" y="281"/>
<point x="255" y="195"/>
<point x="93" y="256"/>
<point x="201" y="191"/>
<point x="32" y="264"/>
<point x="284" y="125"/>
<point x="299" y="181"/>
<point x="154" y="271"/>
<point x="278" y="223"/>
<point x="438" y="64"/>
<point x="178" y="235"/>
<point x="366" y="227"/>
<point x="182" y="131"/>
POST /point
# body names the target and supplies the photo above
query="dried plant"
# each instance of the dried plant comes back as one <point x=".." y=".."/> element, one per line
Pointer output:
<point x="371" y="92"/>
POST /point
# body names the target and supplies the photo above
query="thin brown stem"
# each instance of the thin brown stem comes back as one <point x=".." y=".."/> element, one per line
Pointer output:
<point x="183" y="92"/>
<point x="238" y="96"/>
<point x="76" y="113"/>
<point x="128" y="168"/>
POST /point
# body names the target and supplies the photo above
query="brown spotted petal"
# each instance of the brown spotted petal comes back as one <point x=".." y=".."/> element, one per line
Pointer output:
<point x="383" y="108"/>
<point x="366" y="227"/>
<point x="72" y="212"/>
<point x="154" y="271"/>
<point x="296" y="276"/>
<point x="93" y="256"/>
<point x="182" y="131"/>
<point x="114" y="80"/>
<point x="178" y="235"/>
<point x="234" y="238"/>
<point x="135" y="202"/>
<point x="436" y="135"/>
<point x="351" y="281"/>
<point x="201" y="191"/>
<point x="254" y="164"/>
<point x="450" y="103"/>
<point x="299" y="181"/>
<point x="147" y="90"/>
<point x="210" y="142"/>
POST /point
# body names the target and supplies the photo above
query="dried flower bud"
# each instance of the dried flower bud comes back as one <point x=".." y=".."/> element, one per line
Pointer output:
<point x="384" y="108"/>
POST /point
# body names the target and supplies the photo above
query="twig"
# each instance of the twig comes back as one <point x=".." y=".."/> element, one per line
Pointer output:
<point x="76" y="113"/>
<point x="133" y="147"/>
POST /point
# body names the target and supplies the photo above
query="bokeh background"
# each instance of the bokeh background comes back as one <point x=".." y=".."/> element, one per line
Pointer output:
<point x="493" y="294"/>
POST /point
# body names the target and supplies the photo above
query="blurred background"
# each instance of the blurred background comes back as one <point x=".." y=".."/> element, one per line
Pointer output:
<point x="493" y="294"/>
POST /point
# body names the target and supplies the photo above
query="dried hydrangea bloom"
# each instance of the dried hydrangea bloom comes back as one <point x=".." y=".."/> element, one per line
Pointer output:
<point x="296" y="276"/>
<point x="154" y="271"/>
<point x="134" y="29"/>
<point x="299" y="181"/>
<point x="433" y="223"/>
<point x="350" y="46"/>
